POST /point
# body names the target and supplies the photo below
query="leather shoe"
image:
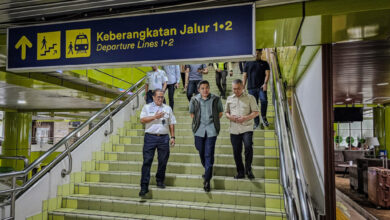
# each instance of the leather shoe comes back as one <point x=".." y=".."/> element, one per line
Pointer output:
<point x="143" y="192"/>
<point x="239" y="176"/>
<point x="161" y="185"/>
<point x="206" y="186"/>
<point x="250" y="175"/>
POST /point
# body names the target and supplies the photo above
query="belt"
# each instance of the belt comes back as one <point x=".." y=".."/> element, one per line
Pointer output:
<point x="157" y="134"/>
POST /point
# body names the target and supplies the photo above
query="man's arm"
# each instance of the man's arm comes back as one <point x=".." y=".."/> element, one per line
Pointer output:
<point x="244" y="78"/>
<point x="230" y="68"/>
<point x="187" y="77"/>
<point x="205" y="71"/>
<point x="148" y="119"/>
<point x="164" y="86"/>
<point x="267" y="73"/>
<point x="146" y="89"/>
<point x="172" y="131"/>
<point x="215" y="67"/>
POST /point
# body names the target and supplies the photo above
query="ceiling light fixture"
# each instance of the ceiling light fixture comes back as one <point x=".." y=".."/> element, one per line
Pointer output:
<point x="348" y="99"/>
<point x="382" y="84"/>
<point x="22" y="102"/>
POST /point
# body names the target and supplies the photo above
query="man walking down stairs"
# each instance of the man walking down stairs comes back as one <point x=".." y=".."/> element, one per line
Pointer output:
<point x="108" y="186"/>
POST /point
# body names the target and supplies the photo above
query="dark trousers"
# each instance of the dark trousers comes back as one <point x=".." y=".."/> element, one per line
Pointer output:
<point x="259" y="93"/>
<point x="192" y="88"/>
<point x="206" y="146"/>
<point x="220" y="77"/>
<point x="171" y="92"/>
<point x="152" y="142"/>
<point x="149" y="97"/>
<point x="237" y="140"/>
<point x="183" y="78"/>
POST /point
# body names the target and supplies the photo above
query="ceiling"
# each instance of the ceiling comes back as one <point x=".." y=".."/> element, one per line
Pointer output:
<point x="361" y="72"/>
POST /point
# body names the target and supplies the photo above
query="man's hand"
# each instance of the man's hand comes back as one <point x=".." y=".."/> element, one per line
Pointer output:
<point x="231" y="73"/>
<point x="240" y="119"/>
<point x="177" y="85"/>
<point x="233" y="118"/>
<point x="172" y="142"/>
<point x="264" y="87"/>
<point x="158" y="115"/>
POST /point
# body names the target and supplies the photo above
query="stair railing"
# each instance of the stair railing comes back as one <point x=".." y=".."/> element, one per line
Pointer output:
<point x="16" y="191"/>
<point x="297" y="201"/>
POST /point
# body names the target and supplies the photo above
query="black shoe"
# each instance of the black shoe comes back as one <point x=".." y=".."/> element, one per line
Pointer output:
<point x="143" y="192"/>
<point x="250" y="175"/>
<point x="255" y="126"/>
<point x="206" y="186"/>
<point x="239" y="176"/>
<point x="265" y="122"/>
<point x="161" y="185"/>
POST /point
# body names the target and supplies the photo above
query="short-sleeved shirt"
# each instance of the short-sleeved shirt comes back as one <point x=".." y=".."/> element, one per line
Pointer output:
<point x="206" y="116"/>
<point x="156" y="79"/>
<point x="256" y="73"/>
<point x="194" y="74"/>
<point x="241" y="106"/>
<point x="173" y="73"/>
<point x="158" y="126"/>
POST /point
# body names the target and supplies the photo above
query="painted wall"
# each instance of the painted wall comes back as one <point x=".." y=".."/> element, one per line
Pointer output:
<point x="30" y="203"/>
<point x="307" y="117"/>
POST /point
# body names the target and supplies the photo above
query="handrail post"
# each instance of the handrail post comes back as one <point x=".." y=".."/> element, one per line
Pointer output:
<point x="106" y="133"/>
<point x="13" y="197"/>
<point x="65" y="172"/>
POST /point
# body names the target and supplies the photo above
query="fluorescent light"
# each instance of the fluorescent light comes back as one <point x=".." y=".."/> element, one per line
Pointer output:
<point x="22" y="102"/>
<point x="382" y="84"/>
<point x="348" y="99"/>
<point x="362" y="92"/>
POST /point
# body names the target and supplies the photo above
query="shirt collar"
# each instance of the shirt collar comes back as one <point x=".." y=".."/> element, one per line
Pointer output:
<point x="242" y="95"/>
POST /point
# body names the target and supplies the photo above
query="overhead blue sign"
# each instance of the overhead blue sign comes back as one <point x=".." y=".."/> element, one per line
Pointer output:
<point x="217" y="33"/>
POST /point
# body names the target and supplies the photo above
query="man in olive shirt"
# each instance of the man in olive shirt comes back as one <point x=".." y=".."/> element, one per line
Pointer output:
<point x="241" y="109"/>
<point x="206" y="109"/>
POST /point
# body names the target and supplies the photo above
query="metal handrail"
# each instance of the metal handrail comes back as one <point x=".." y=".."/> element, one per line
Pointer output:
<point x="284" y="132"/>
<point x="47" y="168"/>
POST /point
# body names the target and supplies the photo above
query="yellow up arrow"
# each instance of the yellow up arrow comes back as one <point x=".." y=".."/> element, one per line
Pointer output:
<point x="23" y="42"/>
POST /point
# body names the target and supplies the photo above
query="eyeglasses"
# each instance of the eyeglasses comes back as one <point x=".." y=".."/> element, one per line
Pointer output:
<point x="159" y="97"/>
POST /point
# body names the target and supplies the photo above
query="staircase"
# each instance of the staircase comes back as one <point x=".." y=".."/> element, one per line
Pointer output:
<point x="108" y="186"/>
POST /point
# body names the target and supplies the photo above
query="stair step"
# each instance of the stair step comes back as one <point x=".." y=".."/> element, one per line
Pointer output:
<point x="271" y="186"/>
<point x="258" y="160"/>
<point x="257" y="141"/>
<point x="190" y="148"/>
<point x="170" y="208"/>
<point x="187" y="168"/>
<point x="85" y="214"/>
<point x="185" y="194"/>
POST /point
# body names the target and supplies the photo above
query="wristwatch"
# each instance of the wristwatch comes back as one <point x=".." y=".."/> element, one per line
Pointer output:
<point x="173" y="137"/>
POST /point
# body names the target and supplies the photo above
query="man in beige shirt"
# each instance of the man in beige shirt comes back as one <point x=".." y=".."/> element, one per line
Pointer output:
<point x="241" y="109"/>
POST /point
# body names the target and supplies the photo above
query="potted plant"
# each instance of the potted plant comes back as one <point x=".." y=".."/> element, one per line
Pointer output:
<point x="338" y="139"/>
<point x="349" y="141"/>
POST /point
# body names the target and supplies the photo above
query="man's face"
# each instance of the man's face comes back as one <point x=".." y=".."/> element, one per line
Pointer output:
<point x="204" y="90"/>
<point x="158" y="98"/>
<point x="238" y="89"/>
<point x="258" y="55"/>
<point x="154" y="68"/>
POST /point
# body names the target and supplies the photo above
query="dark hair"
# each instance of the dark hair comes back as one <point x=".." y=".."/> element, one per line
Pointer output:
<point x="157" y="90"/>
<point x="203" y="82"/>
<point x="237" y="81"/>
<point x="259" y="50"/>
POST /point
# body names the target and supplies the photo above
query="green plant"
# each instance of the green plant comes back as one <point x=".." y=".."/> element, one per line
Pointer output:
<point x="362" y="140"/>
<point x="338" y="139"/>
<point x="349" y="140"/>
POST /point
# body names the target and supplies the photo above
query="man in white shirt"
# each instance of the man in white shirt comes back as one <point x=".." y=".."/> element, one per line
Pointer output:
<point x="173" y="74"/>
<point x="159" y="122"/>
<point x="155" y="79"/>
